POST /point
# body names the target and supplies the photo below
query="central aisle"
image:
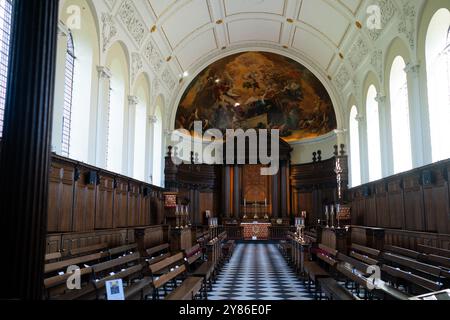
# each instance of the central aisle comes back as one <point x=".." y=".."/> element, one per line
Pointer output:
<point x="258" y="271"/>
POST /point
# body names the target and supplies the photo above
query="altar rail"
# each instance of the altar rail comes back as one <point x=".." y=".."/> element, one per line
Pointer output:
<point x="234" y="232"/>
<point x="277" y="232"/>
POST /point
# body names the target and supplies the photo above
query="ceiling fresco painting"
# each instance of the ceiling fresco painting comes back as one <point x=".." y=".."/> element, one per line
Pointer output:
<point x="258" y="90"/>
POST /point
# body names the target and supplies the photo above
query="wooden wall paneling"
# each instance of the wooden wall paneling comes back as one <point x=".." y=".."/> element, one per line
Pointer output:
<point x="436" y="202"/>
<point x="121" y="203"/>
<point x="104" y="215"/>
<point x="84" y="200"/>
<point x="396" y="203"/>
<point x="414" y="209"/>
<point x="371" y="208"/>
<point x="382" y="205"/>
<point x="145" y="208"/>
<point x="133" y="204"/>
<point x="60" y="199"/>
<point x="305" y="203"/>
<point x="206" y="203"/>
<point x="113" y="237"/>
<point x="53" y="243"/>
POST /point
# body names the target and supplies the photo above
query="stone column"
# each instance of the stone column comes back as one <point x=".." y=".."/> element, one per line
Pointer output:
<point x="104" y="82"/>
<point x="133" y="101"/>
<point x="25" y="157"/>
<point x="415" y="116"/>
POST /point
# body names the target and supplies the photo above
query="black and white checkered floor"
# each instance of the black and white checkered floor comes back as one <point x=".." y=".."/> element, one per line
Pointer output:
<point x="258" y="271"/>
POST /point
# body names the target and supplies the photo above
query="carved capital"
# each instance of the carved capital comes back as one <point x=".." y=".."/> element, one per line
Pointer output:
<point x="412" y="69"/>
<point x="104" y="72"/>
<point x="152" y="119"/>
<point x="380" y="98"/>
<point x="133" y="100"/>
<point x="360" y="118"/>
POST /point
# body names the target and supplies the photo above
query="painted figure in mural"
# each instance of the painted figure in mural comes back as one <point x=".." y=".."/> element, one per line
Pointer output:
<point x="258" y="90"/>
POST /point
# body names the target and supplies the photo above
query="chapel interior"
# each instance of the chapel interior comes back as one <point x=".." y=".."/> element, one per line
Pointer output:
<point x="116" y="176"/>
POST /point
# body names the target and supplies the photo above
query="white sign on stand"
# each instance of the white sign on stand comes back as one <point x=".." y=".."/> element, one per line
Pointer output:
<point x="114" y="290"/>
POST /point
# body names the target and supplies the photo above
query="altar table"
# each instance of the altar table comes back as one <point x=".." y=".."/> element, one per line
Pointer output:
<point x="256" y="231"/>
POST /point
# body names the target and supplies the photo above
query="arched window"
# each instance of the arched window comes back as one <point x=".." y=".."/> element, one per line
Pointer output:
<point x="116" y="119"/>
<point x="438" y="71"/>
<point x="373" y="135"/>
<point x="5" y="32"/>
<point x="354" y="147"/>
<point x="140" y="139"/>
<point x="157" y="148"/>
<point x="401" y="132"/>
<point x="68" y="94"/>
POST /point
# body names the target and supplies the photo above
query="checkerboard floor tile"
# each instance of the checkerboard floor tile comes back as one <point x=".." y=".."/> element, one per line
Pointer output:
<point x="258" y="271"/>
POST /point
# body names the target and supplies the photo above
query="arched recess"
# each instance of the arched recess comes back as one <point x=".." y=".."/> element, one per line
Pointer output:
<point x="116" y="126"/>
<point x="372" y="117"/>
<point x="84" y="95"/>
<point x="335" y="95"/>
<point x="430" y="8"/>
<point x="158" y="143"/>
<point x="437" y="53"/>
<point x="140" y="141"/>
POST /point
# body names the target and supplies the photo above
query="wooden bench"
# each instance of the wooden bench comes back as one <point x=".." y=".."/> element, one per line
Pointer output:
<point x="171" y="270"/>
<point x="228" y="249"/>
<point x="365" y="254"/>
<point x="130" y="270"/>
<point x="122" y="250"/>
<point x="396" y="274"/>
<point x="433" y="251"/>
<point x="101" y="247"/>
<point x="158" y="253"/>
<point x="402" y="252"/>
<point x="334" y="291"/>
<point x="78" y="261"/>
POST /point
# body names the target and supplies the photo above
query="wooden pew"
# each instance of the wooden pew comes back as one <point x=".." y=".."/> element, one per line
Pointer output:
<point x="396" y="273"/>
<point x="433" y="251"/>
<point x="171" y="270"/>
<point x="365" y="254"/>
<point x="78" y="261"/>
<point x="101" y="247"/>
<point x="122" y="250"/>
<point x="158" y="253"/>
<point x="427" y="270"/>
<point x="334" y="291"/>
<point x="129" y="269"/>
<point x="314" y="271"/>
<point x="402" y="252"/>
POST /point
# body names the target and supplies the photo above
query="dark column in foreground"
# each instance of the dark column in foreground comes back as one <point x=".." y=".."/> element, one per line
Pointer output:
<point x="24" y="163"/>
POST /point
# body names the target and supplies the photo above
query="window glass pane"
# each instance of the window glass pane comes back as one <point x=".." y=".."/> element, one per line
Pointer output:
<point x="401" y="133"/>
<point x="5" y="33"/>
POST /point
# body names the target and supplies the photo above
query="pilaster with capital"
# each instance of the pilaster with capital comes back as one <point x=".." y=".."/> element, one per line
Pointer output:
<point x="103" y="104"/>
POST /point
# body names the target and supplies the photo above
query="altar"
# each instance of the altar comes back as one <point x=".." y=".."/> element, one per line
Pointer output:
<point x="256" y="231"/>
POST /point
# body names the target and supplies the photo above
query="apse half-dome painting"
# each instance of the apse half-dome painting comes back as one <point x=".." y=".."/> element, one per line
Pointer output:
<point x="258" y="90"/>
